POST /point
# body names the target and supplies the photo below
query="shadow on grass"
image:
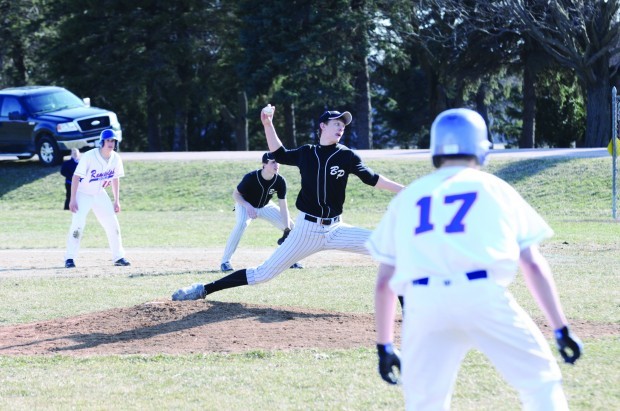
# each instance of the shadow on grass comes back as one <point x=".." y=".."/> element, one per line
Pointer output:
<point x="520" y="170"/>
<point x="15" y="174"/>
<point x="128" y="318"/>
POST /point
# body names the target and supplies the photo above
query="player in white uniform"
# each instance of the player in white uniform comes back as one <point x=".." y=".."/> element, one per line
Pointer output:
<point x="451" y="243"/>
<point x="97" y="169"/>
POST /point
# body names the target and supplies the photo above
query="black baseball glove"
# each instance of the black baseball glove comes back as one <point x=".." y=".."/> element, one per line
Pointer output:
<point x="389" y="358"/>
<point x="284" y="235"/>
<point x="568" y="344"/>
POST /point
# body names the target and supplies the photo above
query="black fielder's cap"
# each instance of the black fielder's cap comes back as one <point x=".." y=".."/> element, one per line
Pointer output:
<point x="267" y="157"/>
<point x="333" y="115"/>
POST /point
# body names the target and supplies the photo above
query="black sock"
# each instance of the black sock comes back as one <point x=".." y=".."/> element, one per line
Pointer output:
<point x="236" y="279"/>
<point x="402" y="302"/>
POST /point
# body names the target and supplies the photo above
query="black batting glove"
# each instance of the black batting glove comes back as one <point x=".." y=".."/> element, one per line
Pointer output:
<point x="389" y="358"/>
<point x="569" y="346"/>
<point x="287" y="231"/>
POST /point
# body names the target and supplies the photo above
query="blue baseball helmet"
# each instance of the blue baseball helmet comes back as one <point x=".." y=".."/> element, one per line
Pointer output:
<point x="459" y="132"/>
<point x="108" y="134"/>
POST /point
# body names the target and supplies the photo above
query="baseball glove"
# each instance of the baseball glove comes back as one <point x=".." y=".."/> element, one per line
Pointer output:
<point x="569" y="346"/>
<point x="389" y="359"/>
<point x="284" y="235"/>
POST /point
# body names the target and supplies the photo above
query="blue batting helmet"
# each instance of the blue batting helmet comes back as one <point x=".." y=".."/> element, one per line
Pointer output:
<point x="459" y="132"/>
<point x="108" y="134"/>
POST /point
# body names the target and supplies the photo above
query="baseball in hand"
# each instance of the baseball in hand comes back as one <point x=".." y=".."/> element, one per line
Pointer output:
<point x="268" y="110"/>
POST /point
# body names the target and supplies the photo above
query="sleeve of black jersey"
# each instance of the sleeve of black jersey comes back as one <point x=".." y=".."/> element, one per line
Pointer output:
<point x="242" y="187"/>
<point x="281" y="187"/>
<point x="365" y="173"/>
<point x="288" y="157"/>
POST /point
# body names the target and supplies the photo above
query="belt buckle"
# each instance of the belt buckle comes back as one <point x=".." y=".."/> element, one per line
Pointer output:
<point x="322" y="221"/>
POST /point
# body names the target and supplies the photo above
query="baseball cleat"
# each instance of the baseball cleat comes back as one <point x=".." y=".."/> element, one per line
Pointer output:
<point x="121" y="262"/>
<point x="192" y="292"/>
<point x="226" y="267"/>
<point x="69" y="263"/>
<point x="297" y="265"/>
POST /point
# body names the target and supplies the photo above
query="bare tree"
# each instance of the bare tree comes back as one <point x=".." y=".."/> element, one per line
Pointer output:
<point x="582" y="35"/>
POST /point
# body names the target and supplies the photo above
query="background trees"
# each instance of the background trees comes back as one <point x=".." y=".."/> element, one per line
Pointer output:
<point x="193" y="74"/>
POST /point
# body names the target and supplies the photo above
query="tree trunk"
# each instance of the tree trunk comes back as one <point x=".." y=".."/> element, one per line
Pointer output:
<point x="362" y="126"/>
<point x="290" y="129"/>
<point x="152" y="119"/>
<point x="481" y="107"/>
<point x="598" y="108"/>
<point x="529" y="104"/>
<point x="241" y="124"/>
<point x="179" y="142"/>
<point x="18" y="62"/>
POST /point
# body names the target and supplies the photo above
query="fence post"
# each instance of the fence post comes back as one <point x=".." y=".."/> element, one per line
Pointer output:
<point x="614" y="150"/>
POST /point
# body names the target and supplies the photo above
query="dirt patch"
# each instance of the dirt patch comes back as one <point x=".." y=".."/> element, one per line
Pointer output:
<point x="189" y="327"/>
<point x="197" y="326"/>
<point x="207" y="326"/>
<point x="96" y="262"/>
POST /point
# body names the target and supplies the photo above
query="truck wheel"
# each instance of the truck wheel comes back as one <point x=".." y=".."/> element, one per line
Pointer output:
<point x="48" y="151"/>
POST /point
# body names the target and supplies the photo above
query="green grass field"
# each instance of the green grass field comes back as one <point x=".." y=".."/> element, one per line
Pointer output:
<point x="187" y="204"/>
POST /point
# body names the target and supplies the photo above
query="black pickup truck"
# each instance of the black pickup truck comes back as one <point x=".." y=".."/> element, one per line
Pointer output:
<point x="49" y="121"/>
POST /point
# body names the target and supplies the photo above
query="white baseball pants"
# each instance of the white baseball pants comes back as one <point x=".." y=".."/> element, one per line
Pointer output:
<point x="269" y="212"/>
<point x="306" y="239"/>
<point x="441" y="323"/>
<point x="104" y="211"/>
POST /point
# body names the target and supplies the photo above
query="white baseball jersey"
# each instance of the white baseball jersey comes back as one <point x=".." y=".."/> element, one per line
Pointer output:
<point x="456" y="209"/>
<point x="96" y="173"/>
<point x="452" y="236"/>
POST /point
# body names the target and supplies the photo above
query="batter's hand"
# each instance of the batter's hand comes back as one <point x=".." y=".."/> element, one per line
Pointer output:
<point x="287" y="231"/>
<point x="389" y="358"/>
<point x="569" y="346"/>
<point x="73" y="206"/>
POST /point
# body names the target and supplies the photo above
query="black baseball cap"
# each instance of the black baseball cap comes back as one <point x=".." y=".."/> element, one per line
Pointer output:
<point x="267" y="157"/>
<point x="333" y="115"/>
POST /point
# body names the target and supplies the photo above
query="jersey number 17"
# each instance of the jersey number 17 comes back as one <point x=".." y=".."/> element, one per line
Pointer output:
<point x="456" y="224"/>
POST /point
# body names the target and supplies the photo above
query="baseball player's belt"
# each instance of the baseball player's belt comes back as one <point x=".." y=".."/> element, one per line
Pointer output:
<point x="474" y="275"/>
<point x="322" y="221"/>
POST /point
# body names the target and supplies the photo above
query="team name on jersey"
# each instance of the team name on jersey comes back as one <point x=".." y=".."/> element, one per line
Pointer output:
<point x="336" y="171"/>
<point x="105" y="175"/>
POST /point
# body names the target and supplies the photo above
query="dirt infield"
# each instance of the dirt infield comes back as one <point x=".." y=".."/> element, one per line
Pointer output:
<point x="206" y="326"/>
<point x="191" y="327"/>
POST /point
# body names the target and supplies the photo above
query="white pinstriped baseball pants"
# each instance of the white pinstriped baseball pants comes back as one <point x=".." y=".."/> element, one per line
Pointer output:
<point x="104" y="211"/>
<point x="269" y="212"/>
<point x="308" y="238"/>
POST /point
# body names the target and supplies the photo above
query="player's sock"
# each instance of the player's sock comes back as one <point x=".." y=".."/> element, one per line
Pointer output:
<point x="236" y="279"/>
<point x="402" y="302"/>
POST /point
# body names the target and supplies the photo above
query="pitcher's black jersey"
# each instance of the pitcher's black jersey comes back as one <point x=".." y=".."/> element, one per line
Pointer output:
<point x="258" y="191"/>
<point x="324" y="174"/>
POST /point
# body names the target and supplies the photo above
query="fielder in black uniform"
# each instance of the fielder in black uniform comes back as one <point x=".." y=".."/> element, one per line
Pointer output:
<point x="253" y="200"/>
<point x="324" y="169"/>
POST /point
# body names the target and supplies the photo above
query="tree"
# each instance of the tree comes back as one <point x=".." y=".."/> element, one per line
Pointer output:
<point x="21" y="25"/>
<point x="581" y="35"/>
<point x="138" y="58"/>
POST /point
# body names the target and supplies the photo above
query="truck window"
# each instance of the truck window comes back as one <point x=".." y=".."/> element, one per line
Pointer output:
<point x="9" y="105"/>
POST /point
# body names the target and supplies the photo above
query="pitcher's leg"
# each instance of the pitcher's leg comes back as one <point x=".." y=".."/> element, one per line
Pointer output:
<point x="303" y="241"/>
<point x="346" y="237"/>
